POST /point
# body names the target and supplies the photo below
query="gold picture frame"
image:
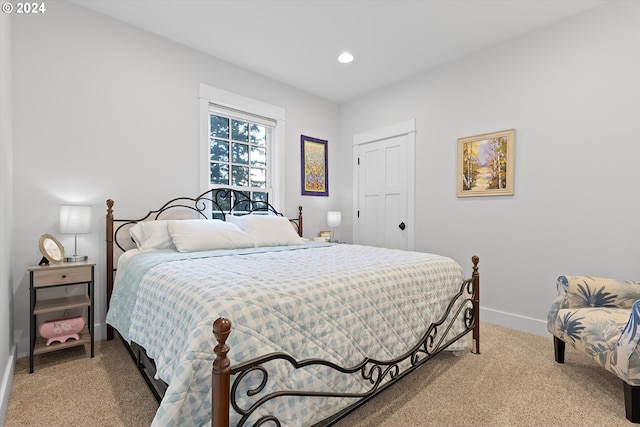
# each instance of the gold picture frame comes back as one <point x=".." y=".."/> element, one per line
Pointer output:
<point x="486" y="164"/>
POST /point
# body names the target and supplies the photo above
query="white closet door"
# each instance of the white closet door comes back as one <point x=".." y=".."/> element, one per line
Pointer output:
<point x="384" y="171"/>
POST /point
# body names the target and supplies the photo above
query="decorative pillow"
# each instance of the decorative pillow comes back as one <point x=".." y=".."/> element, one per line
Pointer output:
<point x="267" y="230"/>
<point x="151" y="235"/>
<point x="191" y="235"/>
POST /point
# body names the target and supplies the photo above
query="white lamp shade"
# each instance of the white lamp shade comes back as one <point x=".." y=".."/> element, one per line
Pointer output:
<point x="334" y="218"/>
<point x="75" y="219"/>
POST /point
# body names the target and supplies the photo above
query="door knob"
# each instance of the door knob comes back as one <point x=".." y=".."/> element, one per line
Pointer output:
<point x="402" y="226"/>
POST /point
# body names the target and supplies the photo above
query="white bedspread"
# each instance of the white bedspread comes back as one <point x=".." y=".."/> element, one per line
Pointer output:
<point x="335" y="302"/>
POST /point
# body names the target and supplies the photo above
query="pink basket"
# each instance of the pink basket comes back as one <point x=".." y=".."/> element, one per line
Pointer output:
<point x="62" y="329"/>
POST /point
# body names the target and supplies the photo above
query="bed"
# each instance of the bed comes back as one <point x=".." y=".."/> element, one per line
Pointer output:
<point x="303" y="332"/>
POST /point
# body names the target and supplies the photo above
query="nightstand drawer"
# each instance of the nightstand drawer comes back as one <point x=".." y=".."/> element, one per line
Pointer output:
<point x="61" y="276"/>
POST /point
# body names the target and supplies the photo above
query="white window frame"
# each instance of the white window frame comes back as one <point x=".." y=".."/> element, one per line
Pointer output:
<point x="209" y="96"/>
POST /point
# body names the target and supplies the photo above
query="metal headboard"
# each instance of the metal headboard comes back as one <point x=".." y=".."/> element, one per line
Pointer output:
<point x="212" y="204"/>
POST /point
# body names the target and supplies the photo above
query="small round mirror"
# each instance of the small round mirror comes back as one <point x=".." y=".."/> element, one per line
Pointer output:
<point x="51" y="249"/>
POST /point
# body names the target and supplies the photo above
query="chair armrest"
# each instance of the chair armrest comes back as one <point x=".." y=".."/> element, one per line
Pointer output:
<point x="559" y="302"/>
<point x="627" y="347"/>
<point x="586" y="291"/>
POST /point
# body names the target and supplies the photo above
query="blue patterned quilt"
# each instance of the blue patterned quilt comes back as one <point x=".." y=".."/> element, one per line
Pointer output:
<point x="331" y="301"/>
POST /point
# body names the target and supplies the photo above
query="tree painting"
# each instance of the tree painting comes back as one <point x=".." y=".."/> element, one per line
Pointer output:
<point x="485" y="164"/>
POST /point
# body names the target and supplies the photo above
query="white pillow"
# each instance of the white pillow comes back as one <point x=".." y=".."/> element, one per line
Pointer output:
<point x="191" y="235"/>
<point x="234" y="219"/>
<point x="151" y="235"/>
<point x="267" y="230"/>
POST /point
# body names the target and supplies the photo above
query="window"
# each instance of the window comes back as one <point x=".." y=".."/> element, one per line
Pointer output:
<point x="243" y="145"/>
<point x="239" y="151"/>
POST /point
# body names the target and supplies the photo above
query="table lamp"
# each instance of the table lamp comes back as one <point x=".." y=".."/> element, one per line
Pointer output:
<point x="75" y="220"/>
<point x="334" y="219"/>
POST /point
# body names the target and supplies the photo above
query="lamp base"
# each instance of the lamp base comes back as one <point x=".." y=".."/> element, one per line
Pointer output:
<point x="76" y="258"/>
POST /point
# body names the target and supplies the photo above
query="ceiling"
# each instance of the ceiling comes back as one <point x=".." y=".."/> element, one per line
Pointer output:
<point x="298" y="42"/>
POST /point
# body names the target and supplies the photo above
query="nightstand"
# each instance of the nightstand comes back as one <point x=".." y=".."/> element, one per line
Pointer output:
<point x="60" y="275"/>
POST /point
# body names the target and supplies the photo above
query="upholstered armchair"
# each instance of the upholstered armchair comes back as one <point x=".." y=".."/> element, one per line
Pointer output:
<point x="600" y="317"/>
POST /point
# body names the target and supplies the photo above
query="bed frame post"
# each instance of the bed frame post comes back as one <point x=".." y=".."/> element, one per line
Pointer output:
<point x="221" y="375"/>
<point x="476" y="302"/>
<point x="109" y="237"/>
<point x="300" y="221"/>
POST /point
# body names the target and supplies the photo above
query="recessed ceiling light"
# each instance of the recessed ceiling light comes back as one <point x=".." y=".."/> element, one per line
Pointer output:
<point x="345" y="57"/>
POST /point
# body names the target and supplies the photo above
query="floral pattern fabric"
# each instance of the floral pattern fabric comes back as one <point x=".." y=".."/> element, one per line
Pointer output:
<point x="600" y="317"/>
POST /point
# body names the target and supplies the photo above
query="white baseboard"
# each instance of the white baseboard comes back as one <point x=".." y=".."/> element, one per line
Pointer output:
<point x="7" y="382"/>
<point x="514" y="321"/>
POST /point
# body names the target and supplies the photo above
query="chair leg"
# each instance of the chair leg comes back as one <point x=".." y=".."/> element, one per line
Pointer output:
<point x="632" y="402"/>
<point x="558" y="347"/>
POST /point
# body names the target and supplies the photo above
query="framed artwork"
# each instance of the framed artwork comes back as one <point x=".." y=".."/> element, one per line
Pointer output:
<point x="485" y="164"/>
<point x="52" y="250"/>
<point x="315" y="176"/>
<point x="325" y="235"/>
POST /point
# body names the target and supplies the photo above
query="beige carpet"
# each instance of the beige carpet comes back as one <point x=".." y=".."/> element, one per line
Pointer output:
<point x="68" y="389"/>
<point x="514" y="382"/>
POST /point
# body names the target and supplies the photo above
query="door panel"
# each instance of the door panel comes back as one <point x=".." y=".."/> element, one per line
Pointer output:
<point x="383" y="178"/>
<point x="369" y="225"/>
<point x="394" y="237"/>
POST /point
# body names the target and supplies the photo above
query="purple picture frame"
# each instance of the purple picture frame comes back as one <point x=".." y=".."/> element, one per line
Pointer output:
<point x="314" y="166"/>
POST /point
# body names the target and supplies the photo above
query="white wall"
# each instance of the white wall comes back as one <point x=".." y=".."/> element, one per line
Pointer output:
<point x="7" y="347"/>
<point x="104" y="110"/>
<point x="572" y="93"/>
